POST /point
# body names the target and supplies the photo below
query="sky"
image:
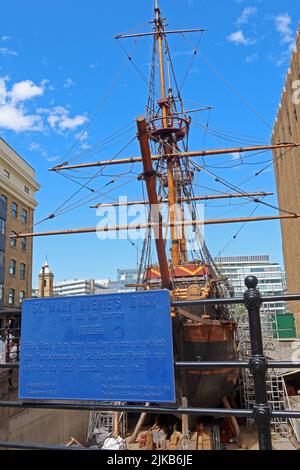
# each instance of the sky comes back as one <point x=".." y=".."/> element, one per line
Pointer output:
<point x="66" y="85"/>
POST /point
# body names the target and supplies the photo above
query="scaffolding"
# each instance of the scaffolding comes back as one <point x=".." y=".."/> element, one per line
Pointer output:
<point x="104" y="421"/>
<point x="277" y="394"/>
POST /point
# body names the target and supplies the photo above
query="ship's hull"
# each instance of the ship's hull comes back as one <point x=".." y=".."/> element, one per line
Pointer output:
<point x="208" y="340"/>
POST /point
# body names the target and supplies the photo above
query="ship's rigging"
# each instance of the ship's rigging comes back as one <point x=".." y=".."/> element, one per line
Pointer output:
<point x="169" y="167"/>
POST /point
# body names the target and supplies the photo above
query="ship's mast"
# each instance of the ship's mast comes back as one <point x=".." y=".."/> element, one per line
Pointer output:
<point x="168" y="141"/>
<point x="166" y="127"/>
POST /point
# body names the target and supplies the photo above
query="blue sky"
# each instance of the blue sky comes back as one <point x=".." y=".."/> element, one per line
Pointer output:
<point x="58" y="62"/>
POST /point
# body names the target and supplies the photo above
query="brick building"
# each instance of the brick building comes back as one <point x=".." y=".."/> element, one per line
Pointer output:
<point x="287" y="170"/>
<point x="17" y="204"/>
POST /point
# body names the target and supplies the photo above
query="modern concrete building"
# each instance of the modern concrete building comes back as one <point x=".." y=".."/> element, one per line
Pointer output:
<point x="127" y="276"/>
<point x="270" y="277"/>
<point x="78" y="287"/>
<point x="17" y="204"/>
<point x="93" y="286"/>
<point x="287" y="170"/>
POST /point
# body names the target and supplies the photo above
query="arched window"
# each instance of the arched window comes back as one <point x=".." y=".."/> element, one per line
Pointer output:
<point x="12" y="267"/>
<point x="22" y="271"/>
<point x="24" y="216"/>
<point x="14" y="210"/>
<point x="23" y="244"/>
<point x="11" y="296"/>
<point x="2" y="226"/>
<point x="13" y="241"/>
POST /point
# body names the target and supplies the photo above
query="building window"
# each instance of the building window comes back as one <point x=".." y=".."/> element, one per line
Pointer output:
<point x="14" y="210"/>
<point x="11" y="297"/>
<point x="3" y="198"/>
<point x="1" y="291"/>
<point x="26" y="189"/>
<point x="22" y="271"/>
<point x="6" y="173"/>
<point x="12" y="267"/>
<point x="13" y="241"/>
<point x="2" y="259"/>
<point x="22" y="296"/>
<point x="23" y="244"/>
<point x="24" y="216"/>
<point x="2" y="226"/>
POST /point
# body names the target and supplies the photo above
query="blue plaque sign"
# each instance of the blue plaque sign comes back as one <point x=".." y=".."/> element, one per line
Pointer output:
<point x="101" y="347"/>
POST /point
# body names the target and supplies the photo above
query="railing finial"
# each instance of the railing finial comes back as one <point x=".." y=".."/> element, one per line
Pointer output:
<point x="251" y="282"/>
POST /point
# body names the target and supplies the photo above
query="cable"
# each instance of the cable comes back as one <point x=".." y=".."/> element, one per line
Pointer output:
<point x="100" y="145"/>
<point x="99" y="108"/>
<point x="190" y="65"/>
<point x="240" y="191"/>
<point x="223" y="135"/>
<point x="231" y="241"/>
<point x="129" y="57"/>
<point x="237" y="93"/>
<point x="93" y="177"/>
<point x="82" y="186"/>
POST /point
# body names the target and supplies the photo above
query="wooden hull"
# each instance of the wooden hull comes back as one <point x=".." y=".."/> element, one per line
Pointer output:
<point x="208" y="340"/>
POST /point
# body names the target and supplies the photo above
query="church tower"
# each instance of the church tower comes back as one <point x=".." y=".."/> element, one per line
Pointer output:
<point x="46" y="279"/>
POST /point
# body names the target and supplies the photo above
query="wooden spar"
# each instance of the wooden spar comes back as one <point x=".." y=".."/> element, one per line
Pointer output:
<point x="198" y="198"/>
<point x="159" y="28"/>
<point x="158" y="31"/>
<point x="172" y="209"/>
<point x="197" y="153"/>
<point x="119" y="228"/>
<point x="175" y="31"/>
<point x="149" y="175"/>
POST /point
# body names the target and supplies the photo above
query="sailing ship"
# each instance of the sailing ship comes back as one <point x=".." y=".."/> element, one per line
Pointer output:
<point x="201" y="333"/>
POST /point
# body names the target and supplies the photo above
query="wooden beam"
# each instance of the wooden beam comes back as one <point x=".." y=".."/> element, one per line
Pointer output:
<point x="185" y="223"/>
<point x="198" y="153"/>
<point x="185" y="427"/>
<point x="191" y="316"/>
<point x="154" y="33"/>
<point x="150" y="179"/>
<point x="132" y="439"/>
<point x="198" y="198"/>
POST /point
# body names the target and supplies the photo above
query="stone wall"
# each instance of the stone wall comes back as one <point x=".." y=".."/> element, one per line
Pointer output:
<point x="287" y="170"/>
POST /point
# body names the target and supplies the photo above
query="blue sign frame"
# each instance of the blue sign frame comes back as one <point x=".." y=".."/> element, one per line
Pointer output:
<point x="116" y="347"/>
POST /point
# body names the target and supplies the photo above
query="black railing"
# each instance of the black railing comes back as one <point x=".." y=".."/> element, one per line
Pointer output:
<point x="258" y="364"/>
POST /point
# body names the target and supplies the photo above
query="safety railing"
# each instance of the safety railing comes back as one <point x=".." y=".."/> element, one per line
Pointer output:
<point x="258" y="364"/>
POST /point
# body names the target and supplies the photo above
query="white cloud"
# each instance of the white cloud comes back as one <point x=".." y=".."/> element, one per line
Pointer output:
<point x="26" y="90"/>
<point x="5" y="38"/>
<point x="15" y="119"/>
<point x="239" y="38"/>
<point x="3" y="91"/>
<point x="72" y="123"/>
<point x="283" y="26"/>
<point x="33" y="147"/>
<point x="13" y="116"/>
<point x="69" y="83"/>
<point x="247" y="13"/>
<point x="53" y="159"/>
<point x="6" y="51"/>
<point x="60" y="119"/>
<point x="252" y="58"/>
